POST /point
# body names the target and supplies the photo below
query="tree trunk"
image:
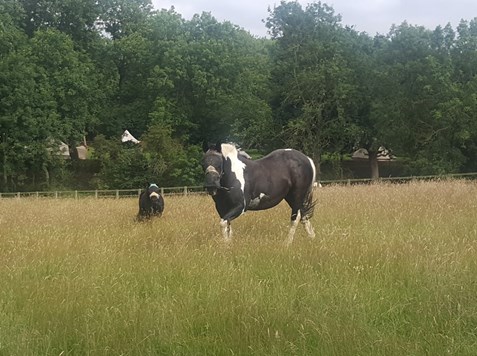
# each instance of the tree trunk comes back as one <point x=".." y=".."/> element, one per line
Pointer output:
<point x="318" y="170"/>
<point x="47" y="176"/>
<point x="5" y="176"/>
<point x="73" y="151"/>
<point x="317" y="161"/>
<point x="373" y="164"/>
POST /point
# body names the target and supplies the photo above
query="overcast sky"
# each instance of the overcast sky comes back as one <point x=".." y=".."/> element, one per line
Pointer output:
<point x="371" y="16"/>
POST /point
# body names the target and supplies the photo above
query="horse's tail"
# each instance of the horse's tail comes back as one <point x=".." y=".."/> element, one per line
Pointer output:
<point x="309" y="203"/>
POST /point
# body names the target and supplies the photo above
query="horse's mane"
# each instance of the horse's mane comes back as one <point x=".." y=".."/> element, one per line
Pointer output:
<point x="231" y="149"/>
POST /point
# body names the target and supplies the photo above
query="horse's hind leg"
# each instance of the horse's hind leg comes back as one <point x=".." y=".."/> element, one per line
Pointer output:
<point x="308" y="227"/>
<point x="306" y="214"/>
<point x="295" y="219"/>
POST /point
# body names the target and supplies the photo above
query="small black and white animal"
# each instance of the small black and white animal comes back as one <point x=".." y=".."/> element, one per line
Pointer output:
<point x="151" y="202"/>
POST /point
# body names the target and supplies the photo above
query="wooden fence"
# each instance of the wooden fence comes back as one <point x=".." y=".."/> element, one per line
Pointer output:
<point x="103" y="193"/>
<point x="195" y="190"/>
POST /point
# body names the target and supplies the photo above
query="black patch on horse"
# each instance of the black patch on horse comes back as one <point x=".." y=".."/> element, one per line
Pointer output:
<point x="151" y="202"/>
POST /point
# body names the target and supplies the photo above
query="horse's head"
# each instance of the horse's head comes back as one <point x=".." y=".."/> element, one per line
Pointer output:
<point x="153" y="192"/>
<point x="213" y="165"/>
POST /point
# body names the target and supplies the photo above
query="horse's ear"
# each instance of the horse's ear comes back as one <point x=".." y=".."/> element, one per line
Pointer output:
<point x="205" y="146"/>
<point x="218" y="146"/>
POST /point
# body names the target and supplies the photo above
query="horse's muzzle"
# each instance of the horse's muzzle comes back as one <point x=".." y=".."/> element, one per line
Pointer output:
<point x="212" y="187"/>
<point x="154" y="196"/>
<point x="212" y="182"/>
<point x="211" y="190"/>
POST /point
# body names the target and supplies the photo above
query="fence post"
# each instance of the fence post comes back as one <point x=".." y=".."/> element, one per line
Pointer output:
<point x="76" y="194"/>
<point x="162" y="191"/>
<point x="185" y="191"/>
<point x="96" y="193"/>
<point x="56" y="194"/>
<point x="139" y="193"/>
<point x="117" y="194"/>
<point x="37" y="194"/>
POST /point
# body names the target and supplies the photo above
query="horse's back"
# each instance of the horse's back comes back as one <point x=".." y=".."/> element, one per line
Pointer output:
<point x="295" y="162"/>
<point x="284" y="154"/>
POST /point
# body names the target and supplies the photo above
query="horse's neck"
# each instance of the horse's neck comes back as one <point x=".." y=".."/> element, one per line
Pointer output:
<point x="229" y="178"/>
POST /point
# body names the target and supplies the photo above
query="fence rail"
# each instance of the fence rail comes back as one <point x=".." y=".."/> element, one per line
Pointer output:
<point x="103" y="193"/>
<point x="468" y="176"/>
<point x="197" y="190"/>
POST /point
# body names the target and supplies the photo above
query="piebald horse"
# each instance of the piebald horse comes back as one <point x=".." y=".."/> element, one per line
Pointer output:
<point x="238" y="183"/>
<point x="151" y="202"/>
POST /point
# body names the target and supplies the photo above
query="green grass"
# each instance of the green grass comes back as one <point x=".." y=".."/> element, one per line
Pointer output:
<point x="393" y="271"/>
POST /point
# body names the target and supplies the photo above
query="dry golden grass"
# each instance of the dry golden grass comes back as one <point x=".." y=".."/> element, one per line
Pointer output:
<point x="391" y="272"/>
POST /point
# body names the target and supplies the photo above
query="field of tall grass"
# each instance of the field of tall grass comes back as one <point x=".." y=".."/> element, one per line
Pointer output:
<point x="392" y="271"/>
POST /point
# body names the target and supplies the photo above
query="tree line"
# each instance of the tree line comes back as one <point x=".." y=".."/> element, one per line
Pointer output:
<point x="75" y="70"/>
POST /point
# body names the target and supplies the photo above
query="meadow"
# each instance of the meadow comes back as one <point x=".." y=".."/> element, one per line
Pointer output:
<point x="392" y="271"/>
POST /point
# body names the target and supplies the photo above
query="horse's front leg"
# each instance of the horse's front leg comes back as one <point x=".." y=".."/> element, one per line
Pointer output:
<point x="226" y="229"/>
<point x="227" y="218"/>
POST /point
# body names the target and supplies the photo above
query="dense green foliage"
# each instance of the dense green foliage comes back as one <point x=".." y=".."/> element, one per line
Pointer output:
<point x="83" y="69"/>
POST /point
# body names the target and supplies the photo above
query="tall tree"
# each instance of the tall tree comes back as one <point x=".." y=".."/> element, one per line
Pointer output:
<point x="128" y="51"/>
<point x="77" y="18"/>
<point x="311" y="76"/>
<point x="120" y="18"/>
<point x="210" y="78"/>
<point x="49" y="92"/>
<point x="423" y="106"/>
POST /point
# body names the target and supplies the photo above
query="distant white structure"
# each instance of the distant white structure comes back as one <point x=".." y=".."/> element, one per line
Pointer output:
<point x="82" y="151"/>
<point x="64" y="150"/>
<point x="127" y="137"/>
<point x="383" y="154"/>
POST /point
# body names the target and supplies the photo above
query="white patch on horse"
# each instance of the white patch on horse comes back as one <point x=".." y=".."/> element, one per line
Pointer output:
<point x="293" y="226"/>
<point x="154" y="195"/>
<point x="238" y="167"/>
<point x="309" y="228"/>
<point x="314" y="171"/>
<point x="211" y="169"/>
<point x="226" y="229"/>
<point x="256" y="201"/>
